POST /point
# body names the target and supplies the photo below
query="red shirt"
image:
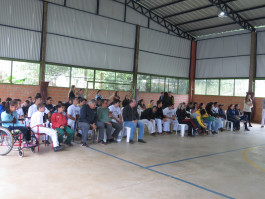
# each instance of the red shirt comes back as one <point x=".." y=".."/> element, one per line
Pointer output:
<point x="57" y="120"/>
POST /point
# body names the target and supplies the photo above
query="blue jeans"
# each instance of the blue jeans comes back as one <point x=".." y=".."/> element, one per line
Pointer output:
<point x="210" y="124"/>
<point x="133" y="126"/>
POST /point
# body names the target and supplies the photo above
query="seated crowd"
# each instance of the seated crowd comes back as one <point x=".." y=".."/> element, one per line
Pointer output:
<point x="78" y="115"/>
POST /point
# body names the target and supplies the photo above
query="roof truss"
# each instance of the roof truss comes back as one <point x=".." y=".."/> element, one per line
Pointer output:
<point x="134" y="4"/>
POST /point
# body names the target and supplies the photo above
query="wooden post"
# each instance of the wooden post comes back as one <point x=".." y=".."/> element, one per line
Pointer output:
<point x="136" y="59"/>
<point x="192" y="70"/>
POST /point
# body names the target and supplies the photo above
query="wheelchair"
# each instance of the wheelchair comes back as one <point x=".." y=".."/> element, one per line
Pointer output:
<point x="13" y="141"/>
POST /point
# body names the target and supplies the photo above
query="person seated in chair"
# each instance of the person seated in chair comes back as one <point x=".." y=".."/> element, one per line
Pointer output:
<point x="73" y="113"/>
<point x="87" y="120"/>
<point x="184" y="118"/>
<point x="131" y="120"/>
<point x="159" y="117"/>
<point x="59" y="123"/>
<point x="49" y="105"/>
<point x="170" y="115"/>
<point x="115" y="115"/>
<point x="231" y="116"/>
<point x="104" y="120"/>
<point x="242" y="117"/>
<point x="37" y="126"/>
<point x="148" y="118"/>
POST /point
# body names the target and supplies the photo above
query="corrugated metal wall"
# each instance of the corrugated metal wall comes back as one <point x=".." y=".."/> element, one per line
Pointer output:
<point x="223" y="57"/>
<point x="20" y="26"/>
<point x="163" y="54"/>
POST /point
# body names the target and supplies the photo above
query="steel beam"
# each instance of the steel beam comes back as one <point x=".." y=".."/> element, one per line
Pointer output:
<point x="156" y="18"/>
<point x="167" y="4"/>
<point x="220" y="4"/>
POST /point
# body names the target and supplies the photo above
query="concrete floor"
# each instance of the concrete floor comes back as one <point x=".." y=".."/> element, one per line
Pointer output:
<point x="220" y="166"/>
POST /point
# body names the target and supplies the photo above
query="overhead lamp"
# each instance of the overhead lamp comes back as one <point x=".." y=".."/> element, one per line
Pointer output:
<point x="222" y="14"/>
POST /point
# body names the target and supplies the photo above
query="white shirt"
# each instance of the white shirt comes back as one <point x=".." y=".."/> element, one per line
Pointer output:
<point x="36" y="119"/>
<point x="169" y="113"/>
<point x="73" y="111"/>
<point x="33" y="108"/>
<point x="116" y="111"/>
<point x="20" y="112"/>
<point x="215" y="109"/>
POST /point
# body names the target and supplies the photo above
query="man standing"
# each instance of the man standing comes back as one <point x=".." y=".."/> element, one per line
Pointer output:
<point x="131" y="120"/>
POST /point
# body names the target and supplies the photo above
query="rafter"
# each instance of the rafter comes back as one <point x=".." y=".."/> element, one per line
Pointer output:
<point x="220" y="4"/>
<point x="167" y="4"/>
<point x="156" y="18"/>
<point x="215" y="16"/>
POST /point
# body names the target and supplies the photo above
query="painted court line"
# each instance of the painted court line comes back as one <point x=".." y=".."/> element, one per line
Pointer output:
<point x="201" y="156"/>
<point x="164" y="174"/>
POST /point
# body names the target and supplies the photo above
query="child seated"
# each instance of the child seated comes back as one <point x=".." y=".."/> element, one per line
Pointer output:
<point x="59" y="123"/>
<point x="37" y="126"/>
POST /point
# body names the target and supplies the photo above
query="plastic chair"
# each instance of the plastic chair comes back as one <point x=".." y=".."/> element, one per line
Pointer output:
<point x="228" y="122"/>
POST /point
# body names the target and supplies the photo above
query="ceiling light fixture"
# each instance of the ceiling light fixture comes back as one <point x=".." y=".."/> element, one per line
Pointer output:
<point x="222" y="14"/>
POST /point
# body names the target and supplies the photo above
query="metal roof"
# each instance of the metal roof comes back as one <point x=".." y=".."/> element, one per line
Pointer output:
<point x="200" y="17"/>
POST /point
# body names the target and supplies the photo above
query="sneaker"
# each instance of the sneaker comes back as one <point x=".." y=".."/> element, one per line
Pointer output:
<point x="58" y="148"/>
<point x="131" y="141"/>
<point x="102" y="142"/>
<point x="162" y="133"/>
<point x="84" y="144"/>
<point x="262" y="126"/>
<point x="69" y="144"/>
<point x="153" y="134"/>
<point x="247" y="129"/>
<point x="250" y="125"/>
<point x="141" y="140"/>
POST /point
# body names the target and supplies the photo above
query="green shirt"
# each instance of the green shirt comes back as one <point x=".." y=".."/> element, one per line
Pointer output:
<point x="103" y="114"/>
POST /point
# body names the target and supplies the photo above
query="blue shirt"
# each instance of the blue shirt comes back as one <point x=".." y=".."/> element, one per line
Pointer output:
<point x="8" y="117"/>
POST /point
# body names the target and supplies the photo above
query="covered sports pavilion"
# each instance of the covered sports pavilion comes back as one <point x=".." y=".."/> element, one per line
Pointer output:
<point x="200" y="50"/>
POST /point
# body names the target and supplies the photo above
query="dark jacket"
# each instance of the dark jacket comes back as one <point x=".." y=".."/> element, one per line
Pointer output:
<point x="71" y="95"/>
<point x="221" y="113"/>
<point x="148" y="114"/>
<point x="130" y="114"/>
<point x="238" y="112"/>
<point x="88" y="115"/>
<point x="125" y="102"/>
<point x="182" y="114"/>
<point x="159" y="114"/>
<point x="231" y="113"/>
<point x="50" y="107"/>
<point x="210" y="112"/>
<point x="166" y="102"/>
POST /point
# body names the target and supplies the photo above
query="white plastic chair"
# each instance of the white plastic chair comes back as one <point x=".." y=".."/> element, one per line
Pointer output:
<point x="228" y="122"/>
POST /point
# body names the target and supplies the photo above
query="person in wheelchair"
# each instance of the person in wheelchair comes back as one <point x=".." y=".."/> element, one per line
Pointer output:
<point x="10" y="121"/>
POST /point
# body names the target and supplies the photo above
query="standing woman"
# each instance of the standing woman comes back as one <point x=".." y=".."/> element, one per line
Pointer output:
<point x="116" y="95"/>
<point x="71" y="94"/>
<point x="247" y="108"/>
<point x="126" y="101"/>
<point x="99" y="95"/>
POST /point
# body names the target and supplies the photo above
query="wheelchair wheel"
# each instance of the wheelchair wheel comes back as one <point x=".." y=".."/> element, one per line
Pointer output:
<point x="6" y="141"/>
<point x="21" y="153"/>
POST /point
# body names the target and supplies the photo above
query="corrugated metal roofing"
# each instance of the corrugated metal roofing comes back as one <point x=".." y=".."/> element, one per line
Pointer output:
<point x="199" y="17"/>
